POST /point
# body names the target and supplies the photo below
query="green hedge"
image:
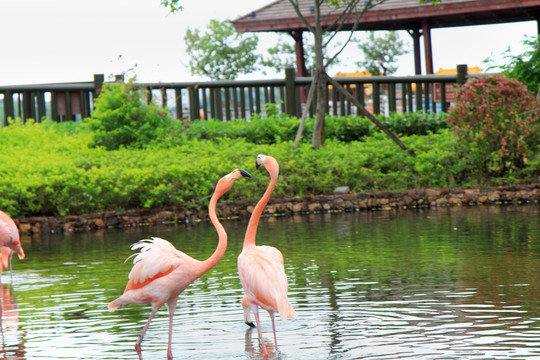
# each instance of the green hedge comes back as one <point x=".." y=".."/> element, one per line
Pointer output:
<point x="53" y="169"/>
<point x="277" y="128"/>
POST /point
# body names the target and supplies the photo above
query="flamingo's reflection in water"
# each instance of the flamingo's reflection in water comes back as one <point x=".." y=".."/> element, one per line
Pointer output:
<point x="253" y="350"/>
<point x="13" y="343"/>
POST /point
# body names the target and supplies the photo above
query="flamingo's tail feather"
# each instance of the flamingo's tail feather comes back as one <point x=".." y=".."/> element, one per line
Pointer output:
<point x="285" y="309"/>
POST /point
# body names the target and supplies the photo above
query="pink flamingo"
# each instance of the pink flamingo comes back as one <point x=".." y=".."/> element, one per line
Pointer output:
<point x="10" y="242"/>
<point x="261" y="268"/>
<point x="160" y="272"/>
<point x="9" y="239"/>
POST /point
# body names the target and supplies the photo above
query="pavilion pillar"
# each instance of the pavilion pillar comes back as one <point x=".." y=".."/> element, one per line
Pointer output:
<point x="426" y="32"/>
<point x="301" y="70"/>
<point x="415" y="34"/>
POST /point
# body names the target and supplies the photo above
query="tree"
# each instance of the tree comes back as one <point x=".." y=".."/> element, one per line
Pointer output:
<point x="173" y="5"/>
<point x="319" y="85"/>
<point x="524" y="67"/>
<point x="283" y="54"/>
<point x="124" y="118"/>
<point x="381" y="53"/>
<point x="350" y="8"/>
<point x="221" y="53"/>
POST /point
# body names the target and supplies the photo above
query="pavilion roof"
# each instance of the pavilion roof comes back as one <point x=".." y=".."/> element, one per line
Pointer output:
<point x="393" y="15"/>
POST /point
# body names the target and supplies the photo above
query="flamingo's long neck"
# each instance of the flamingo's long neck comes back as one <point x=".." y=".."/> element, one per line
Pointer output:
<point x="222" y="235"/>
<point x="251" y="231"/>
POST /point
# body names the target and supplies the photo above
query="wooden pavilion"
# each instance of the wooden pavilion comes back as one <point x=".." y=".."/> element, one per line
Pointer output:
<point x="409" y="15"/>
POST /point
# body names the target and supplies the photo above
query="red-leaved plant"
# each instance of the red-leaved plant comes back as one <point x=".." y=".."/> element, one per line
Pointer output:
<point x="497" y="122"/>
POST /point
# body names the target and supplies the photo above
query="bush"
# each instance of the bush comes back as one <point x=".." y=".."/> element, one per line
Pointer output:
<point x="523" y="67"/>
<point x="47" y="171"/>
<point x="122" y="117"/>
<point x="274" y="127"/>
<point x="415" y="123"/>
<point x="52" y="169"/>
<point x="497" y="123"/>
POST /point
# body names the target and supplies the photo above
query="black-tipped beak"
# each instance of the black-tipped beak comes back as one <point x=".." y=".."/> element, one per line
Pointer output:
<point x="257" y="165"/>
<point x="244" y="173"/>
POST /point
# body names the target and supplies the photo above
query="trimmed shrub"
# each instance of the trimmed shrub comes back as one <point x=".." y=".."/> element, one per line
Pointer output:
<point x="276" y="127"/>
<point x="123" y="118"/>
<point x="497" y="123"/>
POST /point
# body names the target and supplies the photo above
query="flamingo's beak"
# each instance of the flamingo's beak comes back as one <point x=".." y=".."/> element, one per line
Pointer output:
<point x="244" y="173"/>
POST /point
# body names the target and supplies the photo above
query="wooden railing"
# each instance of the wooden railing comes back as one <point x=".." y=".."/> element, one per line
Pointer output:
<point x="228" y="100"/>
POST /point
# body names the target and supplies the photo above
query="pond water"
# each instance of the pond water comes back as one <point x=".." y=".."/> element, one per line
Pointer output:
<point x="434" y="284"/>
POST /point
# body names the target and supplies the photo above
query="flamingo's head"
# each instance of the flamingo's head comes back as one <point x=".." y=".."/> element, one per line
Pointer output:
<point x="269" y="163"/>
<point x="226" y="182"/>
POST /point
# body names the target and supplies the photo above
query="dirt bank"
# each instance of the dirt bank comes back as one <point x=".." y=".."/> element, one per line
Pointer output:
<point x="503" y="195"/>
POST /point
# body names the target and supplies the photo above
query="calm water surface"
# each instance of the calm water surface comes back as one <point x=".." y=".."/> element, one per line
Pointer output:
<point x="438" y="284"/>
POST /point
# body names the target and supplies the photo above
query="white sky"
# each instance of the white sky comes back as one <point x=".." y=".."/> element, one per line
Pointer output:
<point x="47" y="41"/>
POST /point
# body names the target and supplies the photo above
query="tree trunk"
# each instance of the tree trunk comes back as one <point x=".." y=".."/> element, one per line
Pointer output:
<point x="305" y="114"/>
<point x="317" y="139"/>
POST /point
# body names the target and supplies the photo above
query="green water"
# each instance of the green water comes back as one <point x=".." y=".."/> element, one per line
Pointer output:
<point x="448" y="283"/>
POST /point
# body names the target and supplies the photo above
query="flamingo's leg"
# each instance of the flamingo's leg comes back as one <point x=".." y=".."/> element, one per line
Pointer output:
<point x="171" y="305"/>
<point x="255" y="310"/>
<point x="143" y="332"/>
<point x="273" y="328"/>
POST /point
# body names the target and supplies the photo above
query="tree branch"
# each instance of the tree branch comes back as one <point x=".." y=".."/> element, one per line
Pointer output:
<point x="309" y="100"/>
<point x="296" y="8"/>
<point x="367" y="114"/>
<point x="353" y="29"/>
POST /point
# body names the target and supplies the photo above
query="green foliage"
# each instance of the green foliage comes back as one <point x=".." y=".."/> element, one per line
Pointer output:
<point x="415" y="123"/>
<point x="221" y="53"/>
<point x="272" y="127"/>
<point x="281" y="56"/>
<point x="122" y="117"/>
<point x="498" y="124"/>
<point x="381" y="53"/>
<point x="524" y="67"/>
<point x="173" y="5"/>
<point x="53" y="169"/>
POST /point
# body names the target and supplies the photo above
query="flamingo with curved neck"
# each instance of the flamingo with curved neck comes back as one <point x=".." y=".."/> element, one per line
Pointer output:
<point x="161" y="273"/>
<point x="261" y="268"/>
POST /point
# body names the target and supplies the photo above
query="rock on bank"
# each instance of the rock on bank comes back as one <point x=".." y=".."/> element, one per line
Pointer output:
<point x="502" y="195"/>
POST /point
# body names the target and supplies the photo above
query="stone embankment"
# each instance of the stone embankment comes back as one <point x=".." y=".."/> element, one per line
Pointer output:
<point x="426" y="198"/>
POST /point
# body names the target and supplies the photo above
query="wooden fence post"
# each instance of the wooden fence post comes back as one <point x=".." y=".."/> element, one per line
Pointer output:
<point x="462" y="70"/>
<point x="376" y="98"/>
<point x="8" y="107"/>
<point x="194" y="103"/>
<point x="98" y="84"/>
<point x="290" y="93"/>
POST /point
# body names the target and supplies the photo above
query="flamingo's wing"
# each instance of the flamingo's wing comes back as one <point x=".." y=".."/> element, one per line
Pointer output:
<point x="263" y="278"/>
<point x="156" y="258"/>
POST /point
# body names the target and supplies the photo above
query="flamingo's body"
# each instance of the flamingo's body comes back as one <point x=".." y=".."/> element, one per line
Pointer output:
<point x="160" y="272"/>
<point x="10" y="241"/>
<point x="261" y="268"/>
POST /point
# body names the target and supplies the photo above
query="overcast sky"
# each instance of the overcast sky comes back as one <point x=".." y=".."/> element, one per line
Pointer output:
<point x="70" y="40"/>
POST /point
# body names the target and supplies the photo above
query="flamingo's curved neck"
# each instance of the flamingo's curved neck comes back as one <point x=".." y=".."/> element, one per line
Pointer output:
<point x="222" y="235"/>
<point x="251" y="231"/>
